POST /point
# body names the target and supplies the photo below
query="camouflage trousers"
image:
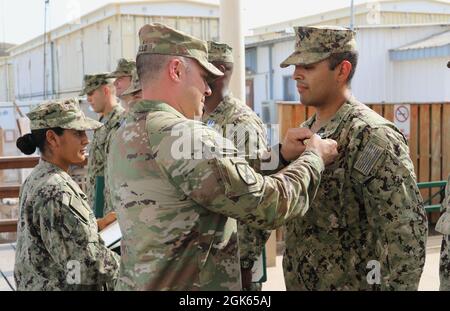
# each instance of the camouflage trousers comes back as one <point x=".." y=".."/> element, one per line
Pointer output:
<point x="444" y="267"/>
<point x="254" y="287"/>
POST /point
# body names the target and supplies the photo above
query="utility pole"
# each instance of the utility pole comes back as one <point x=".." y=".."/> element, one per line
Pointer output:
<point x="352" y="15"/>
<point x="45" y="48"/>
<point x="232" y="33"/>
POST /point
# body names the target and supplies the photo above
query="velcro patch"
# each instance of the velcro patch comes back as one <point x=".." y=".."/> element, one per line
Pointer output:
<point x="368" y="158"/>
<point x="79" y="209"/>
<point x="246" y="173"/>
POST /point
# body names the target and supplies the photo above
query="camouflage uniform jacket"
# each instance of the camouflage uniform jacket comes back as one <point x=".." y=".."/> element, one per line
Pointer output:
<point x="57" y="227"/>
<point x="367" y="208"/>
<point x="97" y="154"/>
<point x="237" y="122"/>
<point x="443" y="226"/>
<point x="174" y="204"/>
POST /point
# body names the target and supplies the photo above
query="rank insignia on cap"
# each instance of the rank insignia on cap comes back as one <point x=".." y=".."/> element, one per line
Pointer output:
<point x="368" y="158"/>
<point x="246" y="173"/>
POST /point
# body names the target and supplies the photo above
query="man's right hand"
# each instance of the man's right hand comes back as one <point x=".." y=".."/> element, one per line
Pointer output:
<point x="325" y="148"/>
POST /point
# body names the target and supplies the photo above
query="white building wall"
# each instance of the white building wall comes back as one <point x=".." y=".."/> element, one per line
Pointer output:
<point x="281" y="52"/>
<point x="376" y="76"/>
<point x="422" y="81"/>
<point x="96" y="47"/>
<point x="3" y="79"/>
<point x="261" y="79"/>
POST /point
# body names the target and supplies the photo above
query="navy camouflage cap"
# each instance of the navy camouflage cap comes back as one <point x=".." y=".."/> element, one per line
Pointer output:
<point x="314" y="44"/>
<point x="65" y="114"/>
<point x="161" y="39"/>
<point x="135" y="85"/>
<point x="220" y="52"/>
<point x="124" y="68"/>
<point x="91" y="82"/>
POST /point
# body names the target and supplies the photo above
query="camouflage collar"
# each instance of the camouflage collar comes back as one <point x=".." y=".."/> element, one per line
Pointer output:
<point x="224" y="104"/>
<point x="331" y="127"/>
<point x="113" y="114"/>
<point x="154" y="105"/>
<point x="48" y="167"/>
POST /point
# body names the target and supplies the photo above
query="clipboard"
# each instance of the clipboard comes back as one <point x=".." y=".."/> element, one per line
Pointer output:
<point x="259" y="269"/>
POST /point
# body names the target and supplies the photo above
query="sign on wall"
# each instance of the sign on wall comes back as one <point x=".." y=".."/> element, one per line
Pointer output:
<point x="402" y="119"/>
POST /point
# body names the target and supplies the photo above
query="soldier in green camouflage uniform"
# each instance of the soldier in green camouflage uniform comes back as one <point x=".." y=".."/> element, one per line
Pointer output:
<point x="237" y="122"/>
<point x="176" y="182"/>
<point x="58" y="245"/>
<point x="133" y="92"/>
<point x="101" y="96"/>
<point x="123" y="76"/>
<point x="443" y="226"/>
<point x="367" y="227"/>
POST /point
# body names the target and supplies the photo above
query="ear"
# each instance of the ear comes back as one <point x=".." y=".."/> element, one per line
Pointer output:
<point x="221" y="67"/>
<point x="53" y="140"/>
<point x="175" y="68"/>
<point x="106" y="90"/>
<point x="344" y="70"/>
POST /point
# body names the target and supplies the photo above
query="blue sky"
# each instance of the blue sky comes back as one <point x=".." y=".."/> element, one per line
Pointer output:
<point x="22" y="20"/>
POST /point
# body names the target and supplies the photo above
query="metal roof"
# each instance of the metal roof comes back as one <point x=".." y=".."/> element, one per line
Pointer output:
<point x="437" y="45"/>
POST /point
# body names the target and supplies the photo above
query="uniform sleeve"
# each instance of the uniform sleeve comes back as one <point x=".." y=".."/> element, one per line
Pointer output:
<point x="70" y="236"/>
<point x="210" y="175"/>
<point x="251" y="143"/>
<point x="394" y="208"/>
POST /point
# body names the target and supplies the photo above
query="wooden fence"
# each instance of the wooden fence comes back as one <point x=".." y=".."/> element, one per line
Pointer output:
<point x="12" y="190"/>
<point x="429" y="141"/>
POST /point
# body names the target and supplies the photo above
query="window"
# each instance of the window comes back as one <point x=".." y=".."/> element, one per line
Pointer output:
<point x="290" y="89"/>
<point x="250" y="60"/>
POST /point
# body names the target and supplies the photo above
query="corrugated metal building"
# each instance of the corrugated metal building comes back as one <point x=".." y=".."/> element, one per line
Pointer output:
<point x="404" y="47"/>
<point x="6" y="91"/>
<point x="96" y="42"/>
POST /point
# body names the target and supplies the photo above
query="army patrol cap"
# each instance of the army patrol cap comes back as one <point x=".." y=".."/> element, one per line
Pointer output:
<point x="160" y="39"/>
<point x="219" y="52"/>
<point x="124" y="68"/>
<point x="314" y="44"/>
<point x="65" y="114"/>
<point x="92" y="82"/>
<point x="135" y="85"/>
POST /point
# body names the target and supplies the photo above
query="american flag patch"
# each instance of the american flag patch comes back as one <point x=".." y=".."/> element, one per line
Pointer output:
<point x="368" y="158"/>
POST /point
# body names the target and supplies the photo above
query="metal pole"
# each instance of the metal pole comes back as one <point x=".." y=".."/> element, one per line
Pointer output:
<point x="352" y="15"/>
<point x="45" y="48"/>
<point x="232" y="33"/>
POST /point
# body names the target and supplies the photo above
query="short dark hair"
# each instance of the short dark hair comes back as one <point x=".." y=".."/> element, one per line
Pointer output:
<point x="148" y="66"/>
<point x="335" y="59"/>
<point x="28" y="142"/>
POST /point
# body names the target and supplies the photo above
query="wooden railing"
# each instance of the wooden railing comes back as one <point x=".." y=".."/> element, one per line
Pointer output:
<point x="13" y="190"/>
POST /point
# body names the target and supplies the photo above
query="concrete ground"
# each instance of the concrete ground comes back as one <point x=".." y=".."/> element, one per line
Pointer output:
<point x="428" y="282"/>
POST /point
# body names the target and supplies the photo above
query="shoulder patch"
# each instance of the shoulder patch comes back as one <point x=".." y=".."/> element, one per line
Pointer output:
<point x="246" y="173"/>
<point x="368" y="158"/>
<point x="77" y="207"/>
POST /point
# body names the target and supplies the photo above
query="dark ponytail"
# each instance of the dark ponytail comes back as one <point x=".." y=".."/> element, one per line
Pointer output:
<point x="37" y="139"/>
